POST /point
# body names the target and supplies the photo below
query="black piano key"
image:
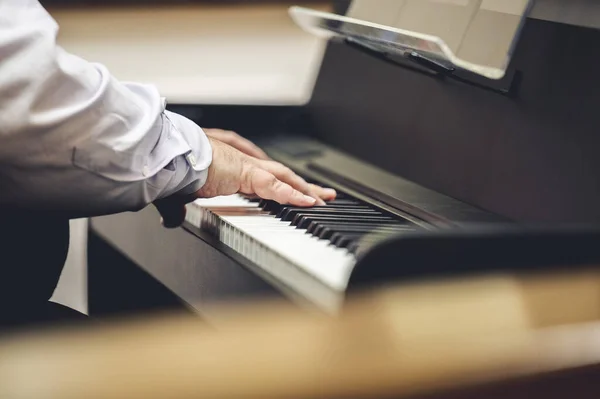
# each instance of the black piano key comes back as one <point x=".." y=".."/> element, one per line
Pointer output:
<point x="341" y="240"/>
<point x="338" y="201"/>
<point x="329" y="232"/>
<point x="357" y="219"/>
<point x="281" y="210"/>
<point x="317" y="226"/>
<point x="337" y="236"/>
<point x="285" y="213"/>
<point x="352" y="225"/>
<point x="294" y="214"/>
<point x="358" y="216"/>
<point x="344" y="212"/>
<point x="303" y="221"/>
<point x="265" y="203"/>
<point x="272" y="206"/>
<point x="341" y="195"/>
<point x="355" y="245"/>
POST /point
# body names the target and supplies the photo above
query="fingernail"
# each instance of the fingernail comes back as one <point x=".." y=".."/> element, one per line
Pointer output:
<point x="330" y="192"/>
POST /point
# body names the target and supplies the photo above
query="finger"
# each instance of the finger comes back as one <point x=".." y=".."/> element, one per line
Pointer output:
<point x="172" y="212"/>
<point x="267" y="186"/>
<point x="286" y="175"/>
<point x="238" y="142"/>
<point x="326" y="194"/>
<point x="249" y="148"/>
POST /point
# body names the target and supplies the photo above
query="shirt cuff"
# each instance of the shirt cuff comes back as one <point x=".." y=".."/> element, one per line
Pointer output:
<point x="191" y="168"/>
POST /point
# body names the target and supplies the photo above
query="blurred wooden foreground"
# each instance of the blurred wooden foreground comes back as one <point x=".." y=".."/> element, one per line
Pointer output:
<point x="491" y="337"/>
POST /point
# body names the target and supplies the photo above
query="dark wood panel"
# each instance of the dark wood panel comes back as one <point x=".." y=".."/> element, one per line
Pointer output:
<point x="194" y="271"/>
<point x="530" y="158"/>
<point x="575" y="12"/>
<point x="118" y="287"/>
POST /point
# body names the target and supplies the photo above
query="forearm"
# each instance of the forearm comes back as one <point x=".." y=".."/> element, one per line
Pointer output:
<point x="73" y="138"/>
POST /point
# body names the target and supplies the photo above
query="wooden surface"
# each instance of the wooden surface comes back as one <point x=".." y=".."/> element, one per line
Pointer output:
<point x="576" y="12"/>
<point x="196" y="272"/>
<point x="202" y="53"/>
<point x="398" y="341"/>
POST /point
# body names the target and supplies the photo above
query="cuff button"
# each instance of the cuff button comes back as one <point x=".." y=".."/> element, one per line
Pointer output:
<point x="192" y="160"/>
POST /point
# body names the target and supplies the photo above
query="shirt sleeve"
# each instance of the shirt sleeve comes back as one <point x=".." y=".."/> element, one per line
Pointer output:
<point x="75" y="139"/>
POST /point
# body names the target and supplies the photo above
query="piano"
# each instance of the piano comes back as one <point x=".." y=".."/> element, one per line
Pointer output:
<point x="435" y="177"/>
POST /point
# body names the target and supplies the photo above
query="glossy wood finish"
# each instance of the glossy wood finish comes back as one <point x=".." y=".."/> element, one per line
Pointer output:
<point x="192" y="269"/>
<point x="576" y="12"/>
<point x="532" y="158"/>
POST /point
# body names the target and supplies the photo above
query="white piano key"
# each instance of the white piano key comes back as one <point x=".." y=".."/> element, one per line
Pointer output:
<point x="274" y="245"/>
<point x="329" y="264"/>
<point x="225" y="201"/>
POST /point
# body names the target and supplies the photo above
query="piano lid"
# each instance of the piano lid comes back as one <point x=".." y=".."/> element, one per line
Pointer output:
<point x="477" y="36"/>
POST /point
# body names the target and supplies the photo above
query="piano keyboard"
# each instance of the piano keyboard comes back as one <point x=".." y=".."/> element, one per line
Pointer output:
<point x="310" y="250"/>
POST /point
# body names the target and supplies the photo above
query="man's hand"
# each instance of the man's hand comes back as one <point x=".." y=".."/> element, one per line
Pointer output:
<point x="234" y="172"/>
<point x="237" y="142"/>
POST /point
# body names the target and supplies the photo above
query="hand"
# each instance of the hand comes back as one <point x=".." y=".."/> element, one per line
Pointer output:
<point x="234" y="172"/>
<point x="249" y="148"/>
<point x="237" y="142"/>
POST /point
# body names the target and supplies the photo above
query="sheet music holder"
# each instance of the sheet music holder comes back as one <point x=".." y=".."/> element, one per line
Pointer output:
<point x="459" y="53"/>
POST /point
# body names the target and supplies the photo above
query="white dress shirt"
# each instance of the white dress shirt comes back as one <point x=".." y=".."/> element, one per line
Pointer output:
<point x="75" y="139"/>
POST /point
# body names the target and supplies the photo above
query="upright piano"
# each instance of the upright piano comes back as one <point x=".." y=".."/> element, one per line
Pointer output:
<point x="435" y="177"/>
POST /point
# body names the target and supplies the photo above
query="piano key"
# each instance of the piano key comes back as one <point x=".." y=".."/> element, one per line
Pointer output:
<point x="249" y="227"/>
<point x="342" y="195"/>
<point x="275" y="207"/>
<point x="284" y="209"/>
<point x="341" y="240"/>
<point x="341" y="215"/>
<point x="292" y="215"/>
<point x="302" y="221"/>
<point x="317" y="226"/>
<point x="339" y="201"/>
<point x="284" y="212"/>
<point x="354" y="244"/>
<point x="328" y="232"/>
<point x="316" y="256"/>
<point x="269" y="205"/>
<point x="225" y="201"/>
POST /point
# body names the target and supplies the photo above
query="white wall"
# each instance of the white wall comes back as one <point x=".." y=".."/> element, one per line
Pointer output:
<point x="242" y="54"/>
